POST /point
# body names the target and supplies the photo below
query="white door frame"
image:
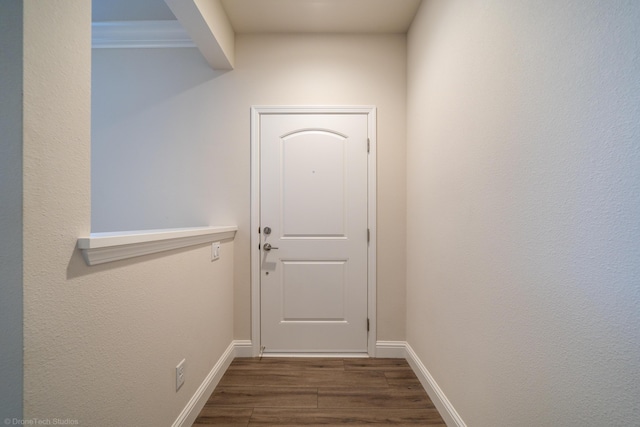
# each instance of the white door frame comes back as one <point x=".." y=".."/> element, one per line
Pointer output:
<point x="256" y="113"/>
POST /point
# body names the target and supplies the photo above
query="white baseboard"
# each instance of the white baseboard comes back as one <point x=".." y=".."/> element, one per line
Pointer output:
<point x="195" y="405"/>
<point x="444" y="406"/>
<point x="237" y="348"/>
<point x="391" y="349"/>
<point x="244" y="348"/>
<point x="402" y="349"/>
<point x="384" y="349"/>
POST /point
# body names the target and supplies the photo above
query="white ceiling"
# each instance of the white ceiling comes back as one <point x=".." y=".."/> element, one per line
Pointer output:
<point x="130" y="10"/>
<point x="282" y="16"/>
<point x="326" y="16"/>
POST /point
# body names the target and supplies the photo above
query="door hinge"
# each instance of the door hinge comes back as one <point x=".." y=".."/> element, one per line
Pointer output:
<point x="368" y="145"/>
<point x="367" y="325"/>
<point x="368" y="235"/>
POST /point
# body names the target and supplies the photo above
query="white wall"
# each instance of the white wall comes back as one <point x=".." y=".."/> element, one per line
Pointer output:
<point x="100" y="343"/>
<point x="523" y="295"/>
<point x="171" y="140"/>
<point x="11" y="209"/>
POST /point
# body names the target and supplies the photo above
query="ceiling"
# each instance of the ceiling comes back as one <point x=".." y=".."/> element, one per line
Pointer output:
<point x="130" y="10"/>
<point x="281" y="16"/>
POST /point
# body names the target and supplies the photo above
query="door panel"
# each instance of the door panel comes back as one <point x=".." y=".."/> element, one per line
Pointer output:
<point x="313" y="166"/>
<point x="314" y="290"/>
<point x="313" y="282"/>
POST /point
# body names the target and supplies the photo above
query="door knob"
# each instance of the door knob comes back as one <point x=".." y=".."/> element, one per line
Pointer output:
<point x="267" y="247"/>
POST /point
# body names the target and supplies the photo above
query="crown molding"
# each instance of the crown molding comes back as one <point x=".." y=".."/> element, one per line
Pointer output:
<point x="139" y="34"/>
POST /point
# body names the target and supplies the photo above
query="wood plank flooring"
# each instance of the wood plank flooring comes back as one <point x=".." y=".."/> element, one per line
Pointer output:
<point x="320" y="392"/>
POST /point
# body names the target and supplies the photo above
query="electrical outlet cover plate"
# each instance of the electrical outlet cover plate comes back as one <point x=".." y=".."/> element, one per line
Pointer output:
<point x="180" y="372"/>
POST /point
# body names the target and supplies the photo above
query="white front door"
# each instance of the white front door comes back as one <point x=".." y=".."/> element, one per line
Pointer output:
<point x="314" y="232"/>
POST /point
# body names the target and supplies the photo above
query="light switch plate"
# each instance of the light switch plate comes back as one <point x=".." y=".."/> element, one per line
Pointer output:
<point x="215" y="251"/>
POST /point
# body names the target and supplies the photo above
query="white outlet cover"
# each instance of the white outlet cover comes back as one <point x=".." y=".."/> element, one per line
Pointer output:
<point x="180" y="374"/>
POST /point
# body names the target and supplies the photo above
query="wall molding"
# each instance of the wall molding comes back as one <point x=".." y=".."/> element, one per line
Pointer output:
<point x="439" y="399"/>
<point x="243" y="348"/>
<point x="384" y="349"/>
<point x="237" y="348"/>
<point x="100" y="248"/>
<point x="200" y="397"/>
<point x="139" y="34"/>
<point x="402" y="349"/>
<point x="391" y="349"/>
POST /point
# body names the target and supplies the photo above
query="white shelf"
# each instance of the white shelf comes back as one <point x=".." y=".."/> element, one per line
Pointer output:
<point x="99" y="248"/>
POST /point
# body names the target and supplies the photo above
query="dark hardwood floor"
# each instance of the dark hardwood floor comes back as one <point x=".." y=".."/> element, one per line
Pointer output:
<point x="319" y="391"/>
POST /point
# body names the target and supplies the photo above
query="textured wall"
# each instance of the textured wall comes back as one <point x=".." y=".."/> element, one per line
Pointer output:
<point x="523" y="204"/>
<point x="171" y="140"/>
<point x="100" y="343"/>
<point x="11" y="209"/>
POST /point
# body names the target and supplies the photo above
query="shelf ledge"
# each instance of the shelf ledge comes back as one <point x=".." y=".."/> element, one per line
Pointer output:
<point x="100" y="248"/>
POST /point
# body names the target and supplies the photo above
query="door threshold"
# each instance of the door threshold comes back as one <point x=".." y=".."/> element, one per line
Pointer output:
<point x="334" y="355"/>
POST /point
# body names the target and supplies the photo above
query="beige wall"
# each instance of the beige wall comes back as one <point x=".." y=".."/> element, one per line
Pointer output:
<point x="523" y="195"/>
<point x="171" y="139"/>
<point x="522" y="202"/>
<point x="100" y="343"/>
<point x="329" y="70"/>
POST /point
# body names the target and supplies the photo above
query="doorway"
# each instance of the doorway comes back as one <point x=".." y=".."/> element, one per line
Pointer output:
<point x="313" y="230"/>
